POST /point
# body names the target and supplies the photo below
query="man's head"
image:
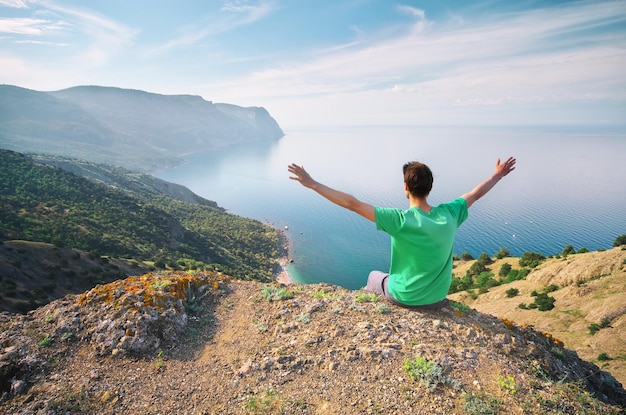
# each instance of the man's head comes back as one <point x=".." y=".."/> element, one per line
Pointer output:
<point x="418" y="178"/>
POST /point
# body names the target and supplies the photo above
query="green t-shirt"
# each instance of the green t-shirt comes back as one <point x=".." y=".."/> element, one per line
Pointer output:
<point x="420" y="271"/>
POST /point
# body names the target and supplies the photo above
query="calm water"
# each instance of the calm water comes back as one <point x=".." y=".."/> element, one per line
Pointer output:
<point x="569" y="188"/>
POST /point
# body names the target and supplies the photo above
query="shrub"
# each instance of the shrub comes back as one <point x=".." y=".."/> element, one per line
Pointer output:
<point x="477" y="268"/>
<point x="551" y="288"/>
<point x="274" y="293"/>
<point x="366" y="298"/>
<point x="504" y="270"/>
<point x="460" y="284"/>
<point x="619" y="241"/>
<point x="485" y="259"/>
<point x="508" y="384"/>
<point x="303" y="317"/>
<point x="512" y="292"/>
<point x="475" y="405"/>
<point x="485" y="280"/>
<point x="466" y="256"/>
<point x="603" y="357"/>
<point x="569" y="249"/>
<point x="428" y="373"/>
<point x="460" y="306"/>
<point x="582" y="250"/>
<point x="594" y="327"/>
<point x="503" y="253"/>
<point x="511" y="276"/>
<point x="531" y="259"/>
<point x="544" y="302"/>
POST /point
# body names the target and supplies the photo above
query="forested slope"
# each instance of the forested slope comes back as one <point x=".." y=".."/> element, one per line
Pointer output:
<point x="42" y="203"/>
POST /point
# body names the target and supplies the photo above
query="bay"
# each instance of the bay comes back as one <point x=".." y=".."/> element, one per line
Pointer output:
<point x="569" y="188"/>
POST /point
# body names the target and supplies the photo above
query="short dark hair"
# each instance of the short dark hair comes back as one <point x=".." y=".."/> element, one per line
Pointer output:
<point x="418" y="177"/>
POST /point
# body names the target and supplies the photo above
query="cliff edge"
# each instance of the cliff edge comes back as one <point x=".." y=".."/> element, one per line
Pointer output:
<point x="201" y="343"/>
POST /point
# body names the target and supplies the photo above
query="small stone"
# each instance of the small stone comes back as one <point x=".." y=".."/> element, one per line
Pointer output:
<point x="18" y="386"/>
<point x="438" y="324"/>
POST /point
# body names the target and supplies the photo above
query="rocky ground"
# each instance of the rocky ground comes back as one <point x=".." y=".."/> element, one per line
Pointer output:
<point x="197" y="343"/>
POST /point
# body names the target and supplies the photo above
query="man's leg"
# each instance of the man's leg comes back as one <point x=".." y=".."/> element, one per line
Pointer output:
<point x="375" y="282"/>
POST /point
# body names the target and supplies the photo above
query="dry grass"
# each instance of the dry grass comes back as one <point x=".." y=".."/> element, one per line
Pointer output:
<point x="592" y="287"/>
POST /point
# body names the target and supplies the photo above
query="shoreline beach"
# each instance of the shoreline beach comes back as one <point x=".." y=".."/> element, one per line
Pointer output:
<point x="282" y="274"/>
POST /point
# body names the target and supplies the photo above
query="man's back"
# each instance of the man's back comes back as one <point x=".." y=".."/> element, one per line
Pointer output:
<point x="421" y="250"/>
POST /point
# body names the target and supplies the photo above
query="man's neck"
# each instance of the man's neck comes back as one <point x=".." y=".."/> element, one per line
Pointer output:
<point x="421" y="203"/>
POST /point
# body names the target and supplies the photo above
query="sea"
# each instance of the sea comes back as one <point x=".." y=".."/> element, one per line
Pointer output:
<point x="569" y="188"/>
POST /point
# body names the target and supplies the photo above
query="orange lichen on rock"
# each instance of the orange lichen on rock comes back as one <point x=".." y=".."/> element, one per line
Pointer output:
<point x="553" y="339"/>
<point x="526" y="327"/>
<point x="153" y="289"/>
<point x="140" y="313"/>
<point x="508" y="323"/>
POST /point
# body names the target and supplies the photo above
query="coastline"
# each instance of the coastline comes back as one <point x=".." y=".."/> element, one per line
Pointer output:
<point x="281" y="275"/>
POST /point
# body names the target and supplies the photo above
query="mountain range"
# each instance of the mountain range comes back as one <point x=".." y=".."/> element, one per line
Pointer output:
<point x="124" y="127"/>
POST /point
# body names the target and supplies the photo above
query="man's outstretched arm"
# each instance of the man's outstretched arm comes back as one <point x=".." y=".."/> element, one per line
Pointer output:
<point x="340" y="198"/>
<point x="502" y="169"/>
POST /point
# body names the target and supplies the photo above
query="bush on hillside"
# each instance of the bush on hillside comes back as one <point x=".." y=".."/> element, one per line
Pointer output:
<point x="620" y="240"/>
<point x="485" y="259"/>
<point x="569" y="249"/>
<point x="460" y="284"/>
<point x="477" y="268"/>
<point x="503" y="253"/>
<point x="516" y="274"/>
<point x="504" y="270"/>
<point x="480" y="265"/>
<point x="466" y="256"/>
<point x="512" y="292"/>
<point x="544" y="302"/>
<point x="531" y="259"/>
<point x="485" y="281"/>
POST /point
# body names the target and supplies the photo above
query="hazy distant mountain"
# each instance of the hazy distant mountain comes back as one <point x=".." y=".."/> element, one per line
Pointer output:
<point x="131" y="128"/>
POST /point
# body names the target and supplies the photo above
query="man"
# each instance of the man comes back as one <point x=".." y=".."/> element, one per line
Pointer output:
<point x="422" y="236"/>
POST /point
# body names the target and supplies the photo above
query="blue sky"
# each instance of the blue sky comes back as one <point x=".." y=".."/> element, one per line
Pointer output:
<point x="336" y="62"/>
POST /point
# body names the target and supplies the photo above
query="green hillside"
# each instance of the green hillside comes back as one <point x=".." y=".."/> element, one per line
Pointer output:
<point x="43" y="203"/>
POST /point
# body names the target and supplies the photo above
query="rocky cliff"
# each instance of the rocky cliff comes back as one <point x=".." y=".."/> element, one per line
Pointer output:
<point x="135" y="129"/>
<point x="199" y="343"/>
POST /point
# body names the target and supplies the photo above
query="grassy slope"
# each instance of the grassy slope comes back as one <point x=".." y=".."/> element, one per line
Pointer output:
<point x="592" y="287"/>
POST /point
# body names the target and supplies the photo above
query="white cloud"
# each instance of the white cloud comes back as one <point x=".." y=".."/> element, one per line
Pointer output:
<point x="23" y="26"/>
<point x="16" y="4"/>
<point x="519" y="60"/>
<point x="466" y="67"/>
<point x="249" y="10"/>
<point x="233" y="15"/>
